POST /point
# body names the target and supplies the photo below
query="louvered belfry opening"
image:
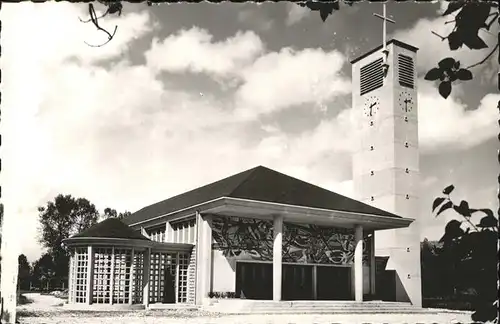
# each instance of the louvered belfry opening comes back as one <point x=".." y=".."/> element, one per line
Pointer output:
<point x="406" y="71"/>
<point x="371" y="76"/>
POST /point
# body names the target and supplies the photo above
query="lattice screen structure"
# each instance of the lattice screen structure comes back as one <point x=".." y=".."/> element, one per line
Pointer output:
<point x="122" y="278"/>
<point x="79" y="268"/>
<point x="116" y="275"/>
<point x="103" y="258"/>
<point x="137" y="277"/>
<point x="177" y="266"/>
<point x="182" y="291"/>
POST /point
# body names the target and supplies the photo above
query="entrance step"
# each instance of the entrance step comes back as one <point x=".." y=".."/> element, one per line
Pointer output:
<point x="317" y="307"/>
<point x="173" y="306"/>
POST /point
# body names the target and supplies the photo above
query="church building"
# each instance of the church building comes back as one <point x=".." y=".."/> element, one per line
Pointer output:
<point x="263" y="235"/>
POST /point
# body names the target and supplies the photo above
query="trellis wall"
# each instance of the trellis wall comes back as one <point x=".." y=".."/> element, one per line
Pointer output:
<point x="115" y="275"/>
<point x="79" y="263"/>
<point x="175" y="291"/>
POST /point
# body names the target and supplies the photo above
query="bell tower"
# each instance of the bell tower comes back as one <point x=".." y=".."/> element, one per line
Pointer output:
<point x="386" y="161"/>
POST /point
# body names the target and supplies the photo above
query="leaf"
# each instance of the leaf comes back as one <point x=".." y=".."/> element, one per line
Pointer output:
<point x="452" y="76"/>
<point x="452" y="231"/>
<point x="453" y="6"/>
<point x="456" y="66"/>
<point x="446" y="63"/>
<point x="433" y="74"/>
<point x="488" y="221"/>
<point x="448" y="189"/>
<point x="464" y="75"/>
<point x="438" y="201"/>
<point x="445" y="89"/>
<point x="455" y="40"/>
<point x="446" y="206"/>
<point x="325" y="12"/>
<point x="473" y="41"/>
<point x="463" y="209"/>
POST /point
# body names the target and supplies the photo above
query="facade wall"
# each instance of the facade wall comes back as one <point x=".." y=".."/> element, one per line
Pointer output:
<point x="183" y="231"/>
<point x="238" y="239"/>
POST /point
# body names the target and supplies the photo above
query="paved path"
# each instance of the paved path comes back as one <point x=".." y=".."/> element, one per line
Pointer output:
<point x="47" y="311"/>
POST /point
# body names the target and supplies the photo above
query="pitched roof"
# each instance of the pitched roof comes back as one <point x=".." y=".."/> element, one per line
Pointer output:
<point x="111" y="228"/>
<point x="258" y="184"/>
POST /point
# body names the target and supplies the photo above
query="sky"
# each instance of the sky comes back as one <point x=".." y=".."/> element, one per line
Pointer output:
<point x="188" y="94"/>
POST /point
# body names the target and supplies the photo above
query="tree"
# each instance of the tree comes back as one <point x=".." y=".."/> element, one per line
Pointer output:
<point x="59" y="220"/>
<point x="24" y="274"/>
<point x="471" y="253"/>
<point x="108" y="213"/>
<point x="63" y="218"/>
<point x="44" y="271"/>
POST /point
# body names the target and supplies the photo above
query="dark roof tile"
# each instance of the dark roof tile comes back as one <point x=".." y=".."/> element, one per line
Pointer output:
<point x="259" y="184"/>
<point x="111" y="228"/>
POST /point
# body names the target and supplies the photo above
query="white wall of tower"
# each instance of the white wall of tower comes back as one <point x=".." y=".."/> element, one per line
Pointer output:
<point x="386" y="168"/>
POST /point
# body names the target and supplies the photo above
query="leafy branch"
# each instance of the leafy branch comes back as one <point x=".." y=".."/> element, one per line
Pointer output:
<point x="471" y="18"/>
<point x="489" y="221"/>
<point x="471" y="254"/>
<point x="114" y="7"/>
<point x="325" y="8"/>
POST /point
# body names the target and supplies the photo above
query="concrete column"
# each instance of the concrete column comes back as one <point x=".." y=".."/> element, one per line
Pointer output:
<point x="358" y="264"/>
<point x="169" y="233"/>
<point x="90" y="274"/>
<point x="315" y="281"/>
<point x="145" y="279"/>
<point x="70" y="279"/>
<point x="372" y="265"/>
<point x="112" y="276"/>
<point x="131" y="277"/>
<point x="203" y="257"/>
<point x="277" y="256"/>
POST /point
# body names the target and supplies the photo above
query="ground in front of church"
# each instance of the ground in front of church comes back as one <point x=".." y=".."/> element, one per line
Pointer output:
<point x="48" y="309"/>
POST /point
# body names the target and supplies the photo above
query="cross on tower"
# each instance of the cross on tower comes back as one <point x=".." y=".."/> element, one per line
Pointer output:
<point x="385" y="19"/>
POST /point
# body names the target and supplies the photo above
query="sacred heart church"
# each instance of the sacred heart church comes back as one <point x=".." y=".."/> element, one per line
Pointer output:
<point x="263" y="235"/>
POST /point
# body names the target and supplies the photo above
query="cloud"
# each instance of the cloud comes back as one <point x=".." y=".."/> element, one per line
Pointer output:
<point x="38" y="72"/>
<point x="256" y="19"/>
<point x="447" y="124"/>
<point x="193" y="50"/>
<point x="296" y="13"/>
<point x="288" y="78"/>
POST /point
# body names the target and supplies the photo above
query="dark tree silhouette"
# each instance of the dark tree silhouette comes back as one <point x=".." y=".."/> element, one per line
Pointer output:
<point x="44" y="271"/>
<point x="60" y="219"/>
<point x="24" y="273"/>
<point x="471" y="253"/>
<point x="108" y="213"/>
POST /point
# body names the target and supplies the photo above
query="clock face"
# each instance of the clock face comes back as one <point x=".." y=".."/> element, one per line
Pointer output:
<point x="405" y="101"/>
<point x="372" y="104"/>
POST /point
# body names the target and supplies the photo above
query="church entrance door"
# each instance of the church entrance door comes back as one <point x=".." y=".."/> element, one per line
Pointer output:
<point x="333" y="283"/>
<point x="254" y="280"/>
<point x="297" y="282"/>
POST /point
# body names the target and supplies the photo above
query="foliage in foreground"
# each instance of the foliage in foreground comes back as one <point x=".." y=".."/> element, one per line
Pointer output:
<point x="470" y="255"/>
